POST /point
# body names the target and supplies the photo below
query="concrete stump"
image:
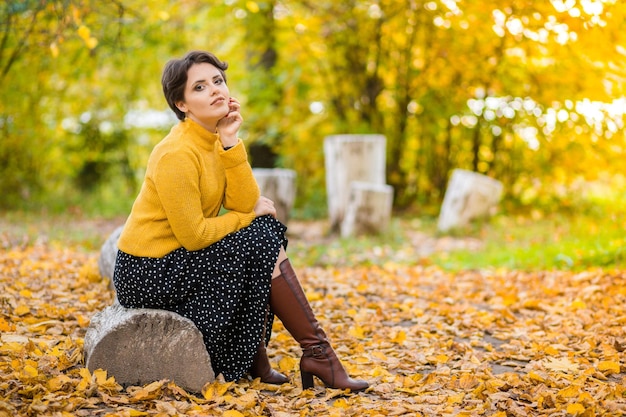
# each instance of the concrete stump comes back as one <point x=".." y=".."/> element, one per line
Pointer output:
<point x="349" y="158"/>
<point x="279" y="185"/>
<point x="140" y="346"/>
<point x="108" y="254"/>
<point x="469" y="195"/>
<point x="368" y="210"/>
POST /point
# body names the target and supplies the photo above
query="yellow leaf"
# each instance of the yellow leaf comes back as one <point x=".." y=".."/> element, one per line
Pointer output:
<point x="400" y="337"/>
<point x="91" y="43"/>
<point x="101" y="376"/>
<point x="89" y="271"/>
<point x="441" y="358"/>
<point x="57" y="383"/>
<point x="31" y="371"/>
<point x="82" y="320"/>
<point x="5" y="326"/>
<point x="137" y="413"/>
<point x="287" y="364"/>
<point x="208" y="392"/>
<point x="532" y="304"/>
<point x="84" y="373"/>
<point x="85" y="382"/>
<point x="569" y="392"/>
<point x="22" y="310"/>
<point x="215" y="389"/>
<point x="468" y="381"/>
<point x="610" y="367"/>
<point x="149" y="392"/>
<point x="84" y="32"/>
<point x="379" y="371"/>
<point x="535" y="376"/>
<point x="314" y="296"/>
<point x="578" y="305"/>
<point x="550" y="350"/>
<point x="341" y="403"/>
<point x="575" y="408"/>
<point x="232" y="413"/>
<point x="357" y="332"/>
<point x="509" y="299"/>
<point x="456" y="398"/>
<point x="26" y="293"/>
<point x="247" y="401"/>
<point x="282" y="337"/>
<point x="253" y="7"/>
<point x="561" y="364"/>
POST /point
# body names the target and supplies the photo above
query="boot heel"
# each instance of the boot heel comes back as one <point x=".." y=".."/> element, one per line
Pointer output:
<point x="307" y="379"/>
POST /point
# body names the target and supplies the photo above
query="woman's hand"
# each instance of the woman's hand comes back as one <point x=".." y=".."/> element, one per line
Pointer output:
<point x="264" y="206"/>
<point x="229" y="125"/>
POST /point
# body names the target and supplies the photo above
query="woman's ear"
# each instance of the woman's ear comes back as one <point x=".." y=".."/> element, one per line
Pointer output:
<point x="182" y="106"/>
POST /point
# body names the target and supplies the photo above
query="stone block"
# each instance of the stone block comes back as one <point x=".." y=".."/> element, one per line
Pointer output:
<point x="108" y="254"/>
<point x="349" y="158"/>
<point x="140" y="346"/>
<point x="279" y="185"/>
<point x="469" y="195"/>
<point x="368" y="210"/>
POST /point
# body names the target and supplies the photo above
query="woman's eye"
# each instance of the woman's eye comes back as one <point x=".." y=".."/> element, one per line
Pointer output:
<point x="219" y="81"/>
<point x="199" y="87"/>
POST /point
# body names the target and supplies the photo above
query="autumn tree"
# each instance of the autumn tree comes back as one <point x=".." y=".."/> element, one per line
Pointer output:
<point x="528" y="92"/>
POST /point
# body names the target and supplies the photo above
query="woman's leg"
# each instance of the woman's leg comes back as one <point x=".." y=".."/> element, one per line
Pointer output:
<point x="261" y="367"/>
<point x="289" y="303"/>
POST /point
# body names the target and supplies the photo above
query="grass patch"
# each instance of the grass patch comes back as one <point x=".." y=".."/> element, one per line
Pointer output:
<point x="530" y="242"/>
<point x="71" y="229"/>
<point x="556" y="241"/>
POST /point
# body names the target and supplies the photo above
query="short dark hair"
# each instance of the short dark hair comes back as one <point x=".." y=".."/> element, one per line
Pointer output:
<point x="174" y="76"/>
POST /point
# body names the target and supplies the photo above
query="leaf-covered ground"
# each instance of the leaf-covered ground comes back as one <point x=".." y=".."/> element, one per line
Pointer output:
<point x="431" y="343"/>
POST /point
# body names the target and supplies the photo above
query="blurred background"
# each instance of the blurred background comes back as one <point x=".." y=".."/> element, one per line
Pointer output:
<point x="531" y="93"/>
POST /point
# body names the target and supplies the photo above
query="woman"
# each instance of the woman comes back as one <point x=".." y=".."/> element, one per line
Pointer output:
<point x="225" y="270"/>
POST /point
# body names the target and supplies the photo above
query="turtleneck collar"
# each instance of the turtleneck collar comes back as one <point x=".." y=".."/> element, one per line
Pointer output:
<point x="198" y="134"/>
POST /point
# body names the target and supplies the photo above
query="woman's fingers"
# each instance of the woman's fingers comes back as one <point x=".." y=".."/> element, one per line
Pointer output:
<point x="264" y="206"/>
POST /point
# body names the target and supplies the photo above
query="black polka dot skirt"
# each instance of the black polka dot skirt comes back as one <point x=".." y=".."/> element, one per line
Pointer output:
<point x="224" y="289"/>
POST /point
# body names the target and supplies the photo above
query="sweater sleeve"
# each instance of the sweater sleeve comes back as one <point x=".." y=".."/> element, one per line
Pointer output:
<point x="242" y="190"/>
<point x="176" y="181"/>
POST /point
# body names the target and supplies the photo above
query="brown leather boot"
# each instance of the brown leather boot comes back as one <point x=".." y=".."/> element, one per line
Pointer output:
<point x="261" y="367"/>
<point x="289" y="303"/>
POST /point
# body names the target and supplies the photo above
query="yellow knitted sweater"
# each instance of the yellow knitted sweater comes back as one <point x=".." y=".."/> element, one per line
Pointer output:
<point x="188" y="179"/>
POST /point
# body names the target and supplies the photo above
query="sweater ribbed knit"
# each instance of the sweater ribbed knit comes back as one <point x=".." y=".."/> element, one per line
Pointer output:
<point x="189" y="178"/>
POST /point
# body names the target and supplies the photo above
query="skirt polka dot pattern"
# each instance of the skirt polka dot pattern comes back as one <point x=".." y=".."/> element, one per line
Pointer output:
<point x="224" y="289"/>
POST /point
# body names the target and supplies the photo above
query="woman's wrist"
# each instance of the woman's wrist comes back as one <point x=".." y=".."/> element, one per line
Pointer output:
<point x="229" y="142"/>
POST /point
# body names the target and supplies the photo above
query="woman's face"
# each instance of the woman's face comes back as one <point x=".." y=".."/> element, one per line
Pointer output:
<point x="206" y="95"/>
